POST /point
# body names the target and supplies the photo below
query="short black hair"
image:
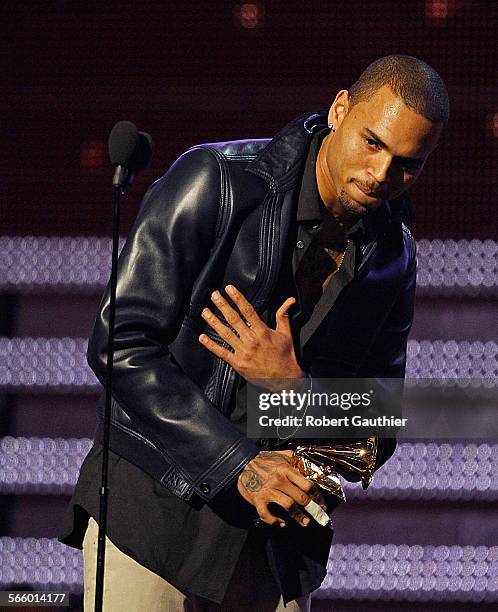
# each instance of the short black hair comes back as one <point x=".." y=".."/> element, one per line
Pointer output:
<point x="415" y="82"/>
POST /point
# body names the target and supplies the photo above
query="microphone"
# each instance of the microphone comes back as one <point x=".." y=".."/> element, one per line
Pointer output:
<point x="130" y="151"/>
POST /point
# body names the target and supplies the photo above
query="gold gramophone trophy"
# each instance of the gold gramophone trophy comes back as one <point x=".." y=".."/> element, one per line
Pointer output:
<point x="323" y="464"/>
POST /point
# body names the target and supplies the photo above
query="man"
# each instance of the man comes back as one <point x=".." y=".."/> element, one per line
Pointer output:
<point x="266" y="259"/>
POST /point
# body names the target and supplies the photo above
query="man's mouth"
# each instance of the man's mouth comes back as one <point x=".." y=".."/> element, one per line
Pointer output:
<point x="368" y="192"/>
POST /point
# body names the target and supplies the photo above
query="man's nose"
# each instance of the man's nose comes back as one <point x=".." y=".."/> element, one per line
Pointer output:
<point x="381" y="166"/>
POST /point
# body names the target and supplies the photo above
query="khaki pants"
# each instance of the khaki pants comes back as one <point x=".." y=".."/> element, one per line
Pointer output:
<point x="130" y="586"/>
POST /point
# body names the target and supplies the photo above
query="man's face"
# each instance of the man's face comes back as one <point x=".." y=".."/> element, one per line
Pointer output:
<point x="377" y="151"/>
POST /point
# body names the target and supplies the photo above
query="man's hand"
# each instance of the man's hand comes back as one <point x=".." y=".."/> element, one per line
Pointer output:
<point x="259" y="351"/>
<point x="270" y="478"/>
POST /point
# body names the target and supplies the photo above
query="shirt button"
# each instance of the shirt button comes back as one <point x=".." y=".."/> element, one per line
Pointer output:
<point x="300" y="244"/>
<point x="205" y="488"/>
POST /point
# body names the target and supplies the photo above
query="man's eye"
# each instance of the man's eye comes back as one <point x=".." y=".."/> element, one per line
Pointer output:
<point x="372" y="143"/>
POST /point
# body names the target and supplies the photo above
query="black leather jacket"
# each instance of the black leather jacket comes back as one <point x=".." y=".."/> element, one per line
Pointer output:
<point x="222" y="214"/>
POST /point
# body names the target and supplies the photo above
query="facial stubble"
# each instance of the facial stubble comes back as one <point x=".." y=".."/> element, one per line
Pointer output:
<point x="350" y="207"/>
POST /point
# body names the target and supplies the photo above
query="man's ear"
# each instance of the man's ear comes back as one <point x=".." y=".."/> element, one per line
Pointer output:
<point x="339" y="108"/>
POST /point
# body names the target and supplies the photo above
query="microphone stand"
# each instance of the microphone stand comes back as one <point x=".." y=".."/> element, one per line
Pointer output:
<point x="122" y="178"/>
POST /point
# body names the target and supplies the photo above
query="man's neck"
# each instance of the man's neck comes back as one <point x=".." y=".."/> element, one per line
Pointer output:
<point x="335" y="214"/>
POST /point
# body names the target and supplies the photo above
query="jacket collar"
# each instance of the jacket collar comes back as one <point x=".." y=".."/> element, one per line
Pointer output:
<point x="280" y="162"/>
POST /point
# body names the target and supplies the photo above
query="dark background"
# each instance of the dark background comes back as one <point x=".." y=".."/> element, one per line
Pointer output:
<point x="189" y="72"/>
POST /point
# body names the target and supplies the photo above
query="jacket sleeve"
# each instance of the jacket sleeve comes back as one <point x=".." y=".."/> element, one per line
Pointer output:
<point x="387" y="357"/>
<point x="168" y="245"/>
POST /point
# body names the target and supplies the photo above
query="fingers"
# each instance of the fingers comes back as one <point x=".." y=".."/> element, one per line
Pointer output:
<point x="294" y="511"/>
<point x="246" y="319"/>
<point x="232" y="317"/>
<point x="282" y="316"/>
<point x="297" y="495"/>
<point x="309" y="487"/>
<point x="217" y="349"/>
<point x="285" y="502"/>
<point x="236" y="321"/>
<point x="301" y="519"/>
<point x="289" y="496"/>
<point x="224" y="332"/>
<point x="245" y="308"/>
<point x="266" y="516"/>
<point x="297" y="510"/>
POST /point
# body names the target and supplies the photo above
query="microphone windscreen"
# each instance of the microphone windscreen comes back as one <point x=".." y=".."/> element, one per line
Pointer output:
<point x="123" y="143"/>
<point x="142" y="154"/>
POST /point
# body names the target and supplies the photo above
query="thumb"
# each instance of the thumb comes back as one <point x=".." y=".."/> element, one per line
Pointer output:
<point x="282" y="316"/>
